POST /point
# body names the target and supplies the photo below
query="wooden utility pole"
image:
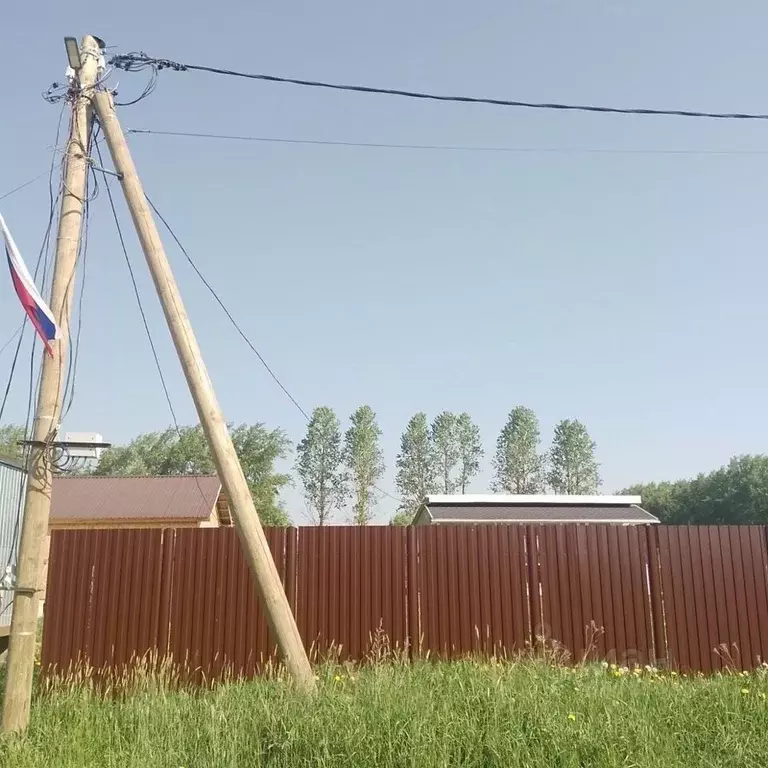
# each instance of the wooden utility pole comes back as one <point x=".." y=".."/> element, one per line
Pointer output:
<point x="37" y="504"/>
<point x="230" y="472"/>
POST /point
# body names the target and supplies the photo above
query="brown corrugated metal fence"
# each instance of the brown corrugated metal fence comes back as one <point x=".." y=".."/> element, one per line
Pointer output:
<point x="351" y="589"/>
<point x="647" y="595"/>
<point x="106" y="604"/>
<point x="215" y="621"/>
<point x="469" y="585"/>
<point x="596" y="600"/>
<point x="714" y="583"/>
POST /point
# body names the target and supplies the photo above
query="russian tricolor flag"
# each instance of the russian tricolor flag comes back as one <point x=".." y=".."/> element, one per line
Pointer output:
<point x="37" y="310"/>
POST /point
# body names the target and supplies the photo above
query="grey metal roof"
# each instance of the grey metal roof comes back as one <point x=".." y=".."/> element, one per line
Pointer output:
<point x="544" y="513"/>
<point x="9" y="461"/>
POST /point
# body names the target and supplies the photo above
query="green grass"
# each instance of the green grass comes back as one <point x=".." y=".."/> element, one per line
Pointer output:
<point x="448" y="714"/>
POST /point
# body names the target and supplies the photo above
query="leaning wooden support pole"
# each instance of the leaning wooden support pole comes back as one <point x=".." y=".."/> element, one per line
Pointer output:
<point x="37" y="504"/>
<point x="230" y="472"/>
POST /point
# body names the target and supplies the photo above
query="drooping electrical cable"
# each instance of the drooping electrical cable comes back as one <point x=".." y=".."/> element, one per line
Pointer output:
<point x="43" y="258"/>
<point x="140" y="305"/>
<point x="148" y="90"/>
<point x="136" y="293"/>
<point x="11" y="339"/>
<point x="24" y="185"/>
<point x="11" y="375"/>
<point x="134" y="62"/>
<point x="41" y="271"/>
<point x="82" y="259"/>
<point x="237" y="326"/>
<point x="226" y="311"/>
<point x="447" y="147"/>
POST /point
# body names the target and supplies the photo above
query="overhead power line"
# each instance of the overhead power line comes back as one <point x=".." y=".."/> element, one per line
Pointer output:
<point x="43" y="258"/>
<point x="133" y="62"/>
<point x="15" y="334"/>
<point x="48" y="172"/>
<point x="226" y="311"/>
<point x="22" y="186"/>
<point x="448" y="147"/>
<point x="136" y="293"/>
<point x="140" y="305"/>
<point x="237" y="327"/>
<point x="42" y="267"/>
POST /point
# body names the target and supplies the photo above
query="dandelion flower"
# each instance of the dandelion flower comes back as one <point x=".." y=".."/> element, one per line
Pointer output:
<point x="745" y="691"/>
<point x="572" y="717"/>
<point x="337" y="678"/>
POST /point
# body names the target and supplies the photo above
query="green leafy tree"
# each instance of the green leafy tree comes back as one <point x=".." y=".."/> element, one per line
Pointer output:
<point x="735" y="494"/>
<point x="186" y="452"/>
<point x="415" y="464"/>
<point x="10" y="434"/>
<point x="445" y="446"/>
<point x="364" y="461"/>
<point x="518" y="466"/>
<point x="319" y="463"/>
<point x="573" y="468"/>
<point x="401" y="519"/>
<point x="668" y="501"/>
<point x="470" y="450"/>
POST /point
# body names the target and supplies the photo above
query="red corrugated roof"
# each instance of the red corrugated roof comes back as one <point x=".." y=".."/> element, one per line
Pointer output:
<point x="183" y="497"/>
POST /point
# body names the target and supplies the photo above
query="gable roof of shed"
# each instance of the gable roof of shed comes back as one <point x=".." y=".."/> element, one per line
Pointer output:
<point x="535" y="509"/>
<point x="93" y="498"/>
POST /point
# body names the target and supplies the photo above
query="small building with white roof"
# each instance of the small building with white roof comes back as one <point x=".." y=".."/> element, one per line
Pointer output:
<point x="531" y="509"/>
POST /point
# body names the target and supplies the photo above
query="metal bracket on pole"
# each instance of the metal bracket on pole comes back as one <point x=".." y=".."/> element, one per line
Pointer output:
<point x="118" y="176"/>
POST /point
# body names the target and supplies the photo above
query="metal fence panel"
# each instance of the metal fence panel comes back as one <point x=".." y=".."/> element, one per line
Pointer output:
<point x="661" y="594"/>
<point x="595" y="591"/>
<point x="216" y="622"/>
<point x="103" y="598"/>
<point x="715" y="595"/>
<point x="13" y="484"/>
<point x="351" y="590"/>
<point x="471" y="588"/>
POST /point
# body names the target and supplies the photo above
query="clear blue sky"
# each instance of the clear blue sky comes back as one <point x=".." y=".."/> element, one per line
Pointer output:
<point x="626" y="290"/>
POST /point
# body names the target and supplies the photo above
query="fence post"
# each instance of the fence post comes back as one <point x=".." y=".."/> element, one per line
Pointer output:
<point x="659" y="651"/>
<point x="291" y="566"/>
<point x="168" y="550"/>
<point x="413" y="633"/>
<point x="534" y="595"/>
<point x="52" y="606"/>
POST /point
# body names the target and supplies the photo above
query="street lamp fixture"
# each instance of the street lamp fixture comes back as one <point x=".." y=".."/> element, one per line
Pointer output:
<point x="73" y="52"/>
